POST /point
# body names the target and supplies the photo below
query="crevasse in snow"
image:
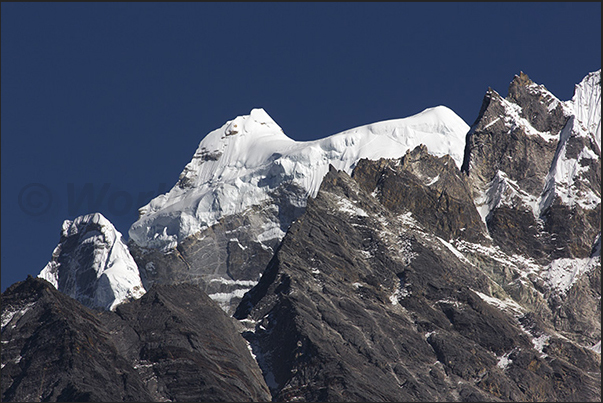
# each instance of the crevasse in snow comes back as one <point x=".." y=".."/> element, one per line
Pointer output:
<point x="236" y="166"/>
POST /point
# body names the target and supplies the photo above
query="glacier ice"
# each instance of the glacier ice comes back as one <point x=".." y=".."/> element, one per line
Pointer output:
<point x="239" y="164"/>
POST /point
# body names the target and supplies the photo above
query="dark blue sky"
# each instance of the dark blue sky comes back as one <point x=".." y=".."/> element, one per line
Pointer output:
<point x="115" y="97"/>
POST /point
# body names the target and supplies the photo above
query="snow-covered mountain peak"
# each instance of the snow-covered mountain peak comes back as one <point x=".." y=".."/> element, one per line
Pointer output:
<point x="258" y="125"/>
<point x="238" y="166"/>
<point x="506" y="151"/>
<point x="242" y="143"/>
<point x="514" y="111"/>
<point x="87" y="224"/>
<point x="258" y="121"/>
<point x="92" y="264"/>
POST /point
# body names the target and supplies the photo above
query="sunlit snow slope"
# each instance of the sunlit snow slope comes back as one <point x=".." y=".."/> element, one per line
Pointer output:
<point x="93" y="265"/>
<point x="237" y="165"/>
<point x="567" y="169"/>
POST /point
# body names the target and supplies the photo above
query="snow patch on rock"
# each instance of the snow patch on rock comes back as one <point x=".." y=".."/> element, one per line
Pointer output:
<point x="513" y="120"/>
<point x="503" y="191"/>
<point x="561" y="274"/>
<point x="11" y="313"/>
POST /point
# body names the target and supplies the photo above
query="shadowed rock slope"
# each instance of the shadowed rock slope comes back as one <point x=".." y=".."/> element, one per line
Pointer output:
<point x="362" y="302"/>
<point x="173" y="344"/>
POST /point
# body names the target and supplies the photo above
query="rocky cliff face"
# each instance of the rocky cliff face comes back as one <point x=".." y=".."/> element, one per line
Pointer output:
<point x="54" y="349"/>
<point x="364" y="302"/>
<point x="431" y="190"/>
<point x="219" y="225"/>
<point x="173" y="344"/>
<point x="534" y="166"/>
<point x="402" y="278"/>
<point x="226" y="259"/>
<point x="535" y="169"/>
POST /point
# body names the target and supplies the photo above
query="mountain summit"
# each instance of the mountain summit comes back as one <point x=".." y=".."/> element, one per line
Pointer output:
<point x="415" y="259"/>
<point x="246" y="184"/>
<point x="237" y="166"/>
<point x="93" y="265"/>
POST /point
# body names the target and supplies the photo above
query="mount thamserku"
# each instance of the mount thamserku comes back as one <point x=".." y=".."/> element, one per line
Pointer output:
<point x="416" y="259"/>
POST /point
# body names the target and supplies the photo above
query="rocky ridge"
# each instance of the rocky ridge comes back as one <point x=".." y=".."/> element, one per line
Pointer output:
<point x="400" y="279"/>
<point x="173" y="344"/>
<point x="361" y="275"/>
<point x="219" y="225"/>
<point x="535" y="166"/>
<point x="535" y="169"/>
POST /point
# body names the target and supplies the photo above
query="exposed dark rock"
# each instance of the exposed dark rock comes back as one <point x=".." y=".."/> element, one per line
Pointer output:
<point x="497" y="144"/>
<point x="338" y="318"/>
<point x="572" y="230"/>
<point x="515" y="230"/>
<point x="226" y="258"/>
<point x="53" y="348"/>
<point x="536" y="102"/>
<point x="173" y="344"/>
<point x="188" y="344"/>
<point x="409" y="280"/>
<point x="432" y="189"/>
